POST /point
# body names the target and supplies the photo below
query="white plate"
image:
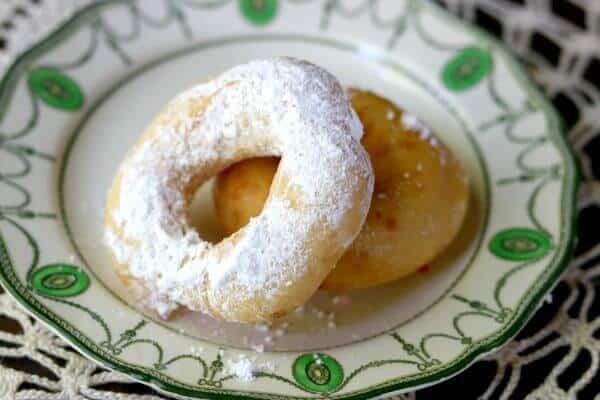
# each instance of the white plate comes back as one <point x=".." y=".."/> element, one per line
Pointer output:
<point x="73" y="104"/>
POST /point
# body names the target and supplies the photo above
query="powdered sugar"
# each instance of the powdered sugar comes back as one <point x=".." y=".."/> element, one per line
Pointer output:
<point x="249" y="256"/>
<point x="259" y="348"/>
<point x="415" y="124"/>
<point x="276" y="107"/>
<point x="243" y="369"/>
<point x="246" y="368"/>
<point x="341" y="300"/>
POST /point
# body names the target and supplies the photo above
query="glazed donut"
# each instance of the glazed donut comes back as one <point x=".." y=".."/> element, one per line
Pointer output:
<point x="420" y="199"/>
<point x="317" y="204"/>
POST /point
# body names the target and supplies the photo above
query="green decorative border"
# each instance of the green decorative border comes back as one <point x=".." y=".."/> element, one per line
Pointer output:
<point x="431" y="369"/>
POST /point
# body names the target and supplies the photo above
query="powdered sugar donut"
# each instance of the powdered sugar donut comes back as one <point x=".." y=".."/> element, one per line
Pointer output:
<point x="318" y="202"/>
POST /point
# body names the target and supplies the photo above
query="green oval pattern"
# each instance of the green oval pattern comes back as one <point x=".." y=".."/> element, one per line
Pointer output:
<point x="259" y="12"/>
<point x="520" y="244"/>
<point x="60" y="280"/>
<point x="317" y="372"/>
<point x="56" y="89"/>
<point x="466" y="69"/>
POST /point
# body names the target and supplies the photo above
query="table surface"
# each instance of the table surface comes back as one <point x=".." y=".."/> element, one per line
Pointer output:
<point x="557" y="356"/>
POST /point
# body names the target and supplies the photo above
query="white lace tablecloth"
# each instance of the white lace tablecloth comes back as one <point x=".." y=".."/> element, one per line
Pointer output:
<point x="557" y="356"/>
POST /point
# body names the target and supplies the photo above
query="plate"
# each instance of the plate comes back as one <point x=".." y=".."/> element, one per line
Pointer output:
<point x="72" y="105"/>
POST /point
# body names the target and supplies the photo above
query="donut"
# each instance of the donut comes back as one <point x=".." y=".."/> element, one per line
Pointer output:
<point x="317" y="204"/>
<point x="419" y="203"/>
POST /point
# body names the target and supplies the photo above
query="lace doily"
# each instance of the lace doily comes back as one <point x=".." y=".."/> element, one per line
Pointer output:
<point x="557" y="356"/>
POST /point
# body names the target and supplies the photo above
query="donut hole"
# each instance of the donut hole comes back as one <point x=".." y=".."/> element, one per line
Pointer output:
<point x="249" y="186"/>
<point x="202" y="214"/>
